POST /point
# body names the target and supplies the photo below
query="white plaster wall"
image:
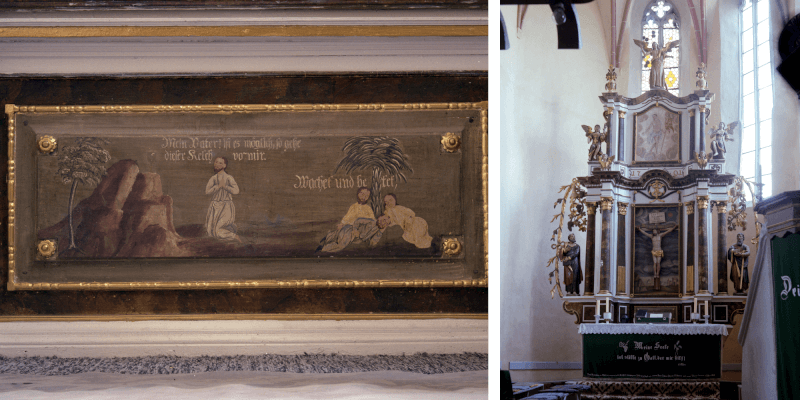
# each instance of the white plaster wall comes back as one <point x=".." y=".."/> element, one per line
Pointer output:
<point x="546" y="95"/>
<point x="786" y="118"/>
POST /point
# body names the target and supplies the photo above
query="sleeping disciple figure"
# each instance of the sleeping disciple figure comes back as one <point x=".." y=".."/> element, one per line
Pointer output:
<point x="357" y="225"/>
<point x="415" y="229"/>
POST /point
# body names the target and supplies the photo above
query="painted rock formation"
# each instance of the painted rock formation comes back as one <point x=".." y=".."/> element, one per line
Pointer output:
<point x="127" y="215"/>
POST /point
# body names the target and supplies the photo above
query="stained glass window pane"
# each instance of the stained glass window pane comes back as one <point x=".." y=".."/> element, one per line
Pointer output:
<point x="671" y="77"/>
<point x="749" y="109"/>
<point x="671" y="35"/>
<point x="766" y="160"/>
<point x="762" y="32"/>
<point x="748" y="138"/>
<point x="762" y="10"/>
<point x="748" y="165"/>
<point x="762" y="52"/>
<point x="765" y="103"/>
<point x="747" y="61"/>
<point x="747" y="40"/>
<point x="765" y="133"/>
<point x="747" y="18"/>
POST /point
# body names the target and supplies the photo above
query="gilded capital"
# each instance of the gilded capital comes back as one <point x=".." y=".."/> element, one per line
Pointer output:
<point x="720" y="205"/>
<point x="591" y="207"/>
<point x="622" y="207"/>
<point x="702" y="202"/>
<point x="689" y="207"/>
<point x="691" y="113"/>
<point x="621" y="114"/>
<point x="702" y="109"/>
<point x="606" y="203"/>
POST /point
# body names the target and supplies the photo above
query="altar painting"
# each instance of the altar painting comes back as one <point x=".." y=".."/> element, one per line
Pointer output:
<point x="657" y="255"/>
<point x="657" y="136"/>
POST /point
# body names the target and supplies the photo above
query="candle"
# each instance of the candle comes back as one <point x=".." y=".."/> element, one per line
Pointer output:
<point x="598" y="307"/>
<point x="695" y="305"/>
<point x="608" y="301"/>
<point x="706" y="304"/>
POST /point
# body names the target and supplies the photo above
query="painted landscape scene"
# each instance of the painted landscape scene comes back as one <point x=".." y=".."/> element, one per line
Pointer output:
<point x="190" y="186"/>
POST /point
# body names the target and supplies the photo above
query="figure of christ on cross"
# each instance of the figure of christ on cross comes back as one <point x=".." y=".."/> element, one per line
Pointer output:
<point x="657" y="252"/>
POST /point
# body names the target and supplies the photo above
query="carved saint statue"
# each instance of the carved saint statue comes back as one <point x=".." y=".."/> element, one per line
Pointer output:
<point x="571" y="258"/>
<point x="657" y="55"/>
<point x="656" y="251"/>
<point x="719" y="136"/>
<point x="595" y="137"/>
<point x="737" y="256"/>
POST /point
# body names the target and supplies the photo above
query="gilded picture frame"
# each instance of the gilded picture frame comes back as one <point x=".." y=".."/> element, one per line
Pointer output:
<point x="286" y="202"/>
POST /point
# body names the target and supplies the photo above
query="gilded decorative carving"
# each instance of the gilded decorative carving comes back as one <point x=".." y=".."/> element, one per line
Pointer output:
<point x="689" y="207"/>
<point x="702" y="83"/>
<point x="574" y="309"/>
<point x="450" y="142"/>
<point x="47" y="144"/>
<point x="46" y="248"/>
<point x="606" y="203"/>
<point x="623" y="208"/>
<point x="574" y="194"/>
<point x="605" y="161"/>
<point x="611" y="78"/>
<point x="451" y="247"/>
<point x="702" y="159"/>
<point x="702" y="202"/>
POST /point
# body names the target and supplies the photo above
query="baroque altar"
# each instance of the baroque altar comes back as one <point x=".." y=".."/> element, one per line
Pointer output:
<point x="656" y="210"/>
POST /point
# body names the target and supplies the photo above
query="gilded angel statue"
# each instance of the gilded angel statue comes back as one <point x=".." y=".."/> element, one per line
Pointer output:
<point x="718" y="137"/>
<point x="657" y="55"/>
<point x="595" y="137"/>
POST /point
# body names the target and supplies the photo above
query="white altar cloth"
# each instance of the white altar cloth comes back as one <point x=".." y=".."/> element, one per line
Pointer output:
<point x="660" y="329"/>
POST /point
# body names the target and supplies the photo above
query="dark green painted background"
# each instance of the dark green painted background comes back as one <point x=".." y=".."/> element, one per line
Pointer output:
<point x="786" y="263"/>
<point x="701" y="354"/>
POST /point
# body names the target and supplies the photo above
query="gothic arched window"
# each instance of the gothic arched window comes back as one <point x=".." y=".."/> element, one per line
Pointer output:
<point x="661" y="24"/>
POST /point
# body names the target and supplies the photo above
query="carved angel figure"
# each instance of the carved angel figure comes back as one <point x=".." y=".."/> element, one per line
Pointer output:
<point x="595" y="137"/>
<point x="718" y="137"/>
<point x="657" y="55"/>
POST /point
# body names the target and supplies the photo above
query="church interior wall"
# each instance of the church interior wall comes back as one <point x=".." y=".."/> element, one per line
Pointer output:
<point x="547" y="94"/>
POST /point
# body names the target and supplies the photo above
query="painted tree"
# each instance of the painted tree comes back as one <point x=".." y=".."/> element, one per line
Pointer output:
<point x="82" y="163"/>
<point x="380" y="155"/>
